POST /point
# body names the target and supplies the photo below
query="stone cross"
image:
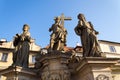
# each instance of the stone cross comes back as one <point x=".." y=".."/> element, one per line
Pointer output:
<point x="63" y="18"/>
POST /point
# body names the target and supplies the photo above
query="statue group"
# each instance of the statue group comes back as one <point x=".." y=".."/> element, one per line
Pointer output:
<point x="83" y="29"/>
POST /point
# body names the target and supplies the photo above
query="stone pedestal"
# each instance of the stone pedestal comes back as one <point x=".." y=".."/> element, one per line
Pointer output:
<point x="54" y="66"/>
<point x="18" y="73"/>
<point x="95" y="69"/>
<point x="116" y="71"/>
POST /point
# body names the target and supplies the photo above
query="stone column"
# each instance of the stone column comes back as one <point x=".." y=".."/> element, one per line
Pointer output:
<point x="95" y="68"/>
<point x="54" y="66"/>
<point x="116" y="71"/>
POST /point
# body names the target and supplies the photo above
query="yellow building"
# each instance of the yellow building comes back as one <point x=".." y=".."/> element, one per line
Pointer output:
<point x="110" y="49"/>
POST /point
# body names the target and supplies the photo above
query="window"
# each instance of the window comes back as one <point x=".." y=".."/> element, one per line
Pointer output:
<point x="112" y="49"/>
<point x="4" y="57"/>
<point x="33" y="58"/>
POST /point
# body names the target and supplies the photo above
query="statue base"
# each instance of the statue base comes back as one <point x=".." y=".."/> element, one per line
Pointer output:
<point x="54" y="66"/>
<point x="95" y="68"/>
<point x="18" y="73"/>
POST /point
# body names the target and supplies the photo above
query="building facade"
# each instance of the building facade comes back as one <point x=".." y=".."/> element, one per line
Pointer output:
<point x="110" y="52"/>
<point x="110" y="49"/>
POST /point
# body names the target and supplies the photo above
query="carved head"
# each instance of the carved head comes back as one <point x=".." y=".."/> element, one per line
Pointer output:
<point x="81" y="16"/>
<point x="57" y="19"/>
<point x="26" y="27"/>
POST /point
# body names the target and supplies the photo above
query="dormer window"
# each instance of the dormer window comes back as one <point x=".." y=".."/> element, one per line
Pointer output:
<point x="4" y="57"/>
<point x="112" y="49"/>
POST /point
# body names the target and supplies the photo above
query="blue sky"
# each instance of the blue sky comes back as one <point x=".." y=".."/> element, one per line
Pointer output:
<point x="39" y="14"/>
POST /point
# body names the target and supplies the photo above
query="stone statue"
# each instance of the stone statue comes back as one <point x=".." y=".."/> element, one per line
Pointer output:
<point x="88" y="37"/>
<point x="58" y="36"/>
<point x="22" y="44"/>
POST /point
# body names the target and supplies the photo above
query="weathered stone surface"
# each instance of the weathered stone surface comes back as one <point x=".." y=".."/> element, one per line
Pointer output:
<point x="18" y="73"/>
<point x="54" y="66"/>
<point x="94" y="68"/>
